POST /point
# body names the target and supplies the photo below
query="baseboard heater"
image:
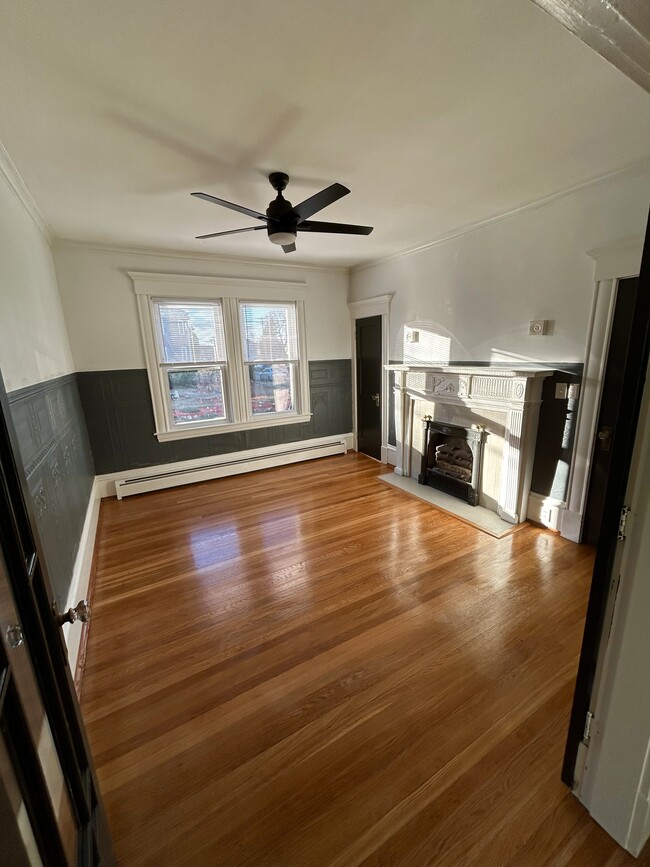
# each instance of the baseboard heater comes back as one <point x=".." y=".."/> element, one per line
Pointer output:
<point x="228" y="465"/>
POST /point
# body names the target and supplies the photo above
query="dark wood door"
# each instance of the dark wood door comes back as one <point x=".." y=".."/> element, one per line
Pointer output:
<point x="50" y="804"/>
<point x="610" y="407"/>
<point x="368" y="358"/>
<point x="631" y="379"/>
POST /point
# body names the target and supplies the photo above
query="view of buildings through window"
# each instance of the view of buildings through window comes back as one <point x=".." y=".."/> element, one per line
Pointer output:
<point x="194" y="356"/>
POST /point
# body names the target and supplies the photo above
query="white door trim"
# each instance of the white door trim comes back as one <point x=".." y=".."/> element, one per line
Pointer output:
<point x="612" y="262"/>
<point x="377" y="306"/>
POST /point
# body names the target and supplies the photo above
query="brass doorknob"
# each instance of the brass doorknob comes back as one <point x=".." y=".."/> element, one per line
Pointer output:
<point x="80" y="612"/>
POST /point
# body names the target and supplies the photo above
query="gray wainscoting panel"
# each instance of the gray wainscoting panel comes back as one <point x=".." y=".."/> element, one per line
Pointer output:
<point x="120" y="422"/>
<point x="56" y="455"/>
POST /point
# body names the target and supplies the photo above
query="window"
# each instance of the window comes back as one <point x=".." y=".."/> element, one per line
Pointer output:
<point x="224" y="362"/>
<point x="191" y="346"/>
<point x="270" y="351"/>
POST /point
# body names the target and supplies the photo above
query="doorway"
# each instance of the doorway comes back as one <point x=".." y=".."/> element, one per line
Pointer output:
<point x="610" y="407"/>
<point x="368" y="332"/>
<point x="51" y="811"/>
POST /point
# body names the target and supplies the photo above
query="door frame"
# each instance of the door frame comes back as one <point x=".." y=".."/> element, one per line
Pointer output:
<point x="612" y="262"/>
<point x="603" y="584"/>
<point x="377" y="306"/>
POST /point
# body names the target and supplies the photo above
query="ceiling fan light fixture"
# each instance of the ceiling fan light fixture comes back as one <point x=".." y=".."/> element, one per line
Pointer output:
<point x="282" y="238"/>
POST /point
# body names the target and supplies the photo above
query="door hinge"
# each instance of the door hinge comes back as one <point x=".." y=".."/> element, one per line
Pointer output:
<point x="622" y="523"/>
<point x="586" y="735"/>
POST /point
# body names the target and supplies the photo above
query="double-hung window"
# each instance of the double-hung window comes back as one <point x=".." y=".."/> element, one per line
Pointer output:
<point x="192" y="361"/>
<point x="269" y="337"/>
<point x="222" y="356"/>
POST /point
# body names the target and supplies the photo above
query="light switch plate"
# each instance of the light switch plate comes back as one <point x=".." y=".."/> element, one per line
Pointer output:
<point x="561" y="389"/>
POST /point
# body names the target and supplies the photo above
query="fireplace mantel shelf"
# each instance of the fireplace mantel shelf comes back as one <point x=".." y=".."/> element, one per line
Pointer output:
<point x="479" y="387"/>
<point x="508" y="372"/>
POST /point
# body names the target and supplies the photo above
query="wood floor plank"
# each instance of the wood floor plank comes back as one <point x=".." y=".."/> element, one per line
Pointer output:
<point x="303" y="666"/>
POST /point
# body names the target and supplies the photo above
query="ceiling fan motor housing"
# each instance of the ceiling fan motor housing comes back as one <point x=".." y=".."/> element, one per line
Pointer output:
<point x="282" y="220"/>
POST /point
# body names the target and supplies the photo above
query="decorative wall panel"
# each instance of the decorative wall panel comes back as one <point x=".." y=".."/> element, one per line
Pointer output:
<point x="56" y="455"/>
<point x="120" y="422"/>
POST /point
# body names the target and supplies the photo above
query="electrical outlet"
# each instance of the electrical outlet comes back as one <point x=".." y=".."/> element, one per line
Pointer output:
<point x="561" y="389"/>
<point x="574" y="391"/>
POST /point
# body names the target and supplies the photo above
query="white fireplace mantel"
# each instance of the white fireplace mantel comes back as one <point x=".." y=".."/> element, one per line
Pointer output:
<point x="516" y="392"/>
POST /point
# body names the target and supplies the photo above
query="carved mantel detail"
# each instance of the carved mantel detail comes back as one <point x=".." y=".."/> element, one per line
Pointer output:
<point x="516" y="392"/>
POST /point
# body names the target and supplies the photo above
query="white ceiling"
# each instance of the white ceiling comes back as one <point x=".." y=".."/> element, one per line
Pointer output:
<point x="436" y="114"/>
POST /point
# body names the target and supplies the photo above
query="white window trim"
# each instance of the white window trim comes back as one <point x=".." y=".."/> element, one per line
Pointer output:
<point x="229" y="290"/>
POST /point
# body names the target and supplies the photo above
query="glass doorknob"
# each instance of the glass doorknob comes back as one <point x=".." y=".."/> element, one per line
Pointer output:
<point x="80" y="612"/>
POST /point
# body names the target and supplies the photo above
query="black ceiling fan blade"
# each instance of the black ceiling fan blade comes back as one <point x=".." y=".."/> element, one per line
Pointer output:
<point x="289" y="248"/>
<point x="319" y="201"/>
<point x="230" y="232"/>
<point x="225" y="204"/>
<point x="334" y="228"/>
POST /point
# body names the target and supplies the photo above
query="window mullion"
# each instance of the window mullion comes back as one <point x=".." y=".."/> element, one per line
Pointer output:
<point x="236" y="367"/>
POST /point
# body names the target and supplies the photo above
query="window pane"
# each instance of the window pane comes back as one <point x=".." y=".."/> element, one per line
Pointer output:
<point x="196" y="395"/>
<point x="272" y="388"/>
<point x="191" y="331"/>
<point x="269" y="332"/>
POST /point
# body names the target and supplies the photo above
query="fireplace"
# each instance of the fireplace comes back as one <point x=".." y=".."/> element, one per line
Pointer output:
<point x="505" y="400"/>
<point x="451" y="459"/>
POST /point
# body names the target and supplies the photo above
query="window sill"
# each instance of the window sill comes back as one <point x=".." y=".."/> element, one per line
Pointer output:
<point x="216" y="429"/>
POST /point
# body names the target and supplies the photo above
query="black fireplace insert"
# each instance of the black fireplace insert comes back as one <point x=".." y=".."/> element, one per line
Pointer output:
<point x="451" y="459"/>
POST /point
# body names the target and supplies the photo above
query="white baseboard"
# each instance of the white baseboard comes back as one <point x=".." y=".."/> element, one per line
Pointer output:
<point x="81" y="575"/>
<point x="162" y="476"/>
<point x="571" y="525"/>
<point x="389" y="455"/>
<point x="546" y="511"/>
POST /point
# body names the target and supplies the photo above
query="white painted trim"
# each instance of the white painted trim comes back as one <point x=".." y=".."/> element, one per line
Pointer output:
<point x="17" y="185"/>
<point x="206" y="286"/>
<point x="218" y="466"/>
<point x="199" y="256"/>
<point x="81" y="574"/>
<point x="617" y="260"/>
<point x="229" y="291"/>
<point x="639" y="168"/>
<point x="570" y="525"/>
<point x="545" y="510"/>
<point x="390" y="456"/>
<point x="216" y="429"/>
<point x="612" y="262"/>
<point x="377" y="306"/>
<point x="598" y="334"/>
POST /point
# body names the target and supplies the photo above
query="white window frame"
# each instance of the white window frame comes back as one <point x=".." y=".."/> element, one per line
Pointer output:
<point x="230" y="291"/>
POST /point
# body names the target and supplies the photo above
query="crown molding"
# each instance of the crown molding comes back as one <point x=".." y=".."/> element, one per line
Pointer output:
<point x="618" y="259"/>
<point x="635" y="170"/>
<point x="161" y="252"/>
<point x="19" y="188"/>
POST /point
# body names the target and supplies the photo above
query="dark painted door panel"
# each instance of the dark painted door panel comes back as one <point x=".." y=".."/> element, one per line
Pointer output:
<point x="368" y="359"/>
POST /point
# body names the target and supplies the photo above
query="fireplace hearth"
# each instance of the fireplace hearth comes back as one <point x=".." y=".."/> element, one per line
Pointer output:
<point x="451" y="459"/>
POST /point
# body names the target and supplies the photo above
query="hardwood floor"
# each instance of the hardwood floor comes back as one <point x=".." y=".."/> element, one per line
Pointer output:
<point x="305" y="667"/>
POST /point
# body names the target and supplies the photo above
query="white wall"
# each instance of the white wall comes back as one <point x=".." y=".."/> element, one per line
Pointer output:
<point x="101" y="312"/>
<point x="483" y="287"/>
<point x="33" y="338"/>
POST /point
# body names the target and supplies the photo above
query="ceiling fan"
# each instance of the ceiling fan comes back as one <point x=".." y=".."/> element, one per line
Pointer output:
<point x="283" y="221"/>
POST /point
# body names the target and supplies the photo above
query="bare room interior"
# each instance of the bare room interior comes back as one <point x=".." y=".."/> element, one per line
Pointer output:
<point x="324" y="528"/>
